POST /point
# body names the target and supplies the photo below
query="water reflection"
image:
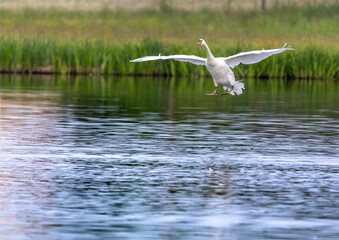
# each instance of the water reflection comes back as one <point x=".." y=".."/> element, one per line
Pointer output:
<point x="126" y="158"/>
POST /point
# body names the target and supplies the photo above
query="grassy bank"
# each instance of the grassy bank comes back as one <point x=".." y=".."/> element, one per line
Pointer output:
<point x="100" y="57"/>
<point x="54" y="41"/>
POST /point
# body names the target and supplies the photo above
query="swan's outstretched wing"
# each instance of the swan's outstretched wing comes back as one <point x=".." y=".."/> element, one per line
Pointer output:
<point x="253" y="56"/>
<point x="183" y="58"/>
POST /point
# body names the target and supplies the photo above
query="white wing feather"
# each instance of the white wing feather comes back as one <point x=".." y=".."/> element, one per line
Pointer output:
<point x="252" y="56"/>
<point x="183" y="58"/>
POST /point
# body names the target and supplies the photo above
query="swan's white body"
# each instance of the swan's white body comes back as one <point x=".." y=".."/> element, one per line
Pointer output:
<point x="220" y="68"/>
<point x="222" y="74"/>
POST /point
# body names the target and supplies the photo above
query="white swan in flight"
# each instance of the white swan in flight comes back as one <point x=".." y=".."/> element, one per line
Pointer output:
<point x="220" y="67"/>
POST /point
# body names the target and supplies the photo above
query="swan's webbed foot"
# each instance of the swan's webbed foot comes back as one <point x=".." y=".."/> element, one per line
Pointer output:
<point x="214" y="93"/>
<point x="228" y="92"/>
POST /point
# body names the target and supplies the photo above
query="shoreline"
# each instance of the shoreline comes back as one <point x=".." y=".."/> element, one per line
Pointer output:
<point x="53" y="73"/>
<point x="103" y="43"/>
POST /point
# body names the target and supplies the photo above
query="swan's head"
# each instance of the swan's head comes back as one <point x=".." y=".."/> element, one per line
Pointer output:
<point x="201" y="42"/>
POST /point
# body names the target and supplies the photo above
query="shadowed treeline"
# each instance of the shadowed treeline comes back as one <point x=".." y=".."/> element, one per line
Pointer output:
<point x="136" y="5"/>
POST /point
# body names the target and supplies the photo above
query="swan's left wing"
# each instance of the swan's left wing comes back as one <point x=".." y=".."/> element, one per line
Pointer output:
<point x="183" y="58"/>
<point x="253" y="56"/>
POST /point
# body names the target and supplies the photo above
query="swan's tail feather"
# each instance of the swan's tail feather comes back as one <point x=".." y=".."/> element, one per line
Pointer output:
<point x="238" y="87"/>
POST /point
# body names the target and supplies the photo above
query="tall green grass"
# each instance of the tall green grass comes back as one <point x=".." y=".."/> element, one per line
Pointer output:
<point x="103" y="42"/>
<point x="35" y="55"/>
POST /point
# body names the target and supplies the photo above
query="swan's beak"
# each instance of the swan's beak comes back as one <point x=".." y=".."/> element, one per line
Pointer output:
<point x="199" y="42"/>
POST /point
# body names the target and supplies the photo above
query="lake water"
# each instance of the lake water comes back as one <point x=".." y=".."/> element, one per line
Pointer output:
<point x="145" y="158"/>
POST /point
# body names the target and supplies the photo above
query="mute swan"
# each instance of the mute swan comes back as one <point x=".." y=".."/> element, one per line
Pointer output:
<point x="220" y="67"/>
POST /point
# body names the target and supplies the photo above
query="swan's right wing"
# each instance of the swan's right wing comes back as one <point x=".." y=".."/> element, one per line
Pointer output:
<point x="183" y="58"/>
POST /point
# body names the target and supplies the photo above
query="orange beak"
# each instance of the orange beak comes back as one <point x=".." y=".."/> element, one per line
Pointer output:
<point x="199" y="42"/>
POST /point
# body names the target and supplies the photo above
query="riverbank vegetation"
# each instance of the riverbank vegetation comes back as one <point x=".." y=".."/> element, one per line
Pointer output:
<point x="103" y="42"/>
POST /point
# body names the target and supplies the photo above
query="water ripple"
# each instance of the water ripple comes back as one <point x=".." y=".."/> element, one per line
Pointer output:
<point x="82" y="166"/>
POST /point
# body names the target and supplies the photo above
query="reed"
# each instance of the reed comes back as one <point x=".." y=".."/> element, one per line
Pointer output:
<point x="80" y="42"/>
<point x="100" y="57"/>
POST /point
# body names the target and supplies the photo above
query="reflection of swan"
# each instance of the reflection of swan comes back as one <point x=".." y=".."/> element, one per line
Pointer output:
<point x="220" y="67"/>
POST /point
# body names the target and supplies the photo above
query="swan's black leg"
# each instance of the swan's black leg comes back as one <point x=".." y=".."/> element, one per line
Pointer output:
<point x="214" y="93"/>
<point x="229" y="91"/>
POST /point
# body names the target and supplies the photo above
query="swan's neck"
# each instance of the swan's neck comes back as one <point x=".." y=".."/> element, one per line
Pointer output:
<point x="209" y="53"/>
